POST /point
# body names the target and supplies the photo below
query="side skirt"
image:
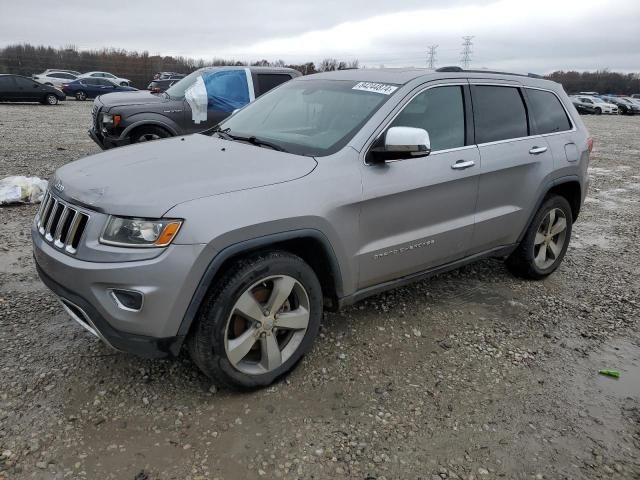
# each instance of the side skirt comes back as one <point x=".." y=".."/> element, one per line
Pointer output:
<point x="498" y="252"/>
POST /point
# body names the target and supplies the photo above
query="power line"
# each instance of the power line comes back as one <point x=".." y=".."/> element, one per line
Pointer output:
<point x="467" y="43"/>
<point x="431" y="59"/>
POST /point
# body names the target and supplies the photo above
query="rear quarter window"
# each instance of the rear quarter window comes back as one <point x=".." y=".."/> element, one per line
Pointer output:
<point x="267" y="81"/>
<point x="499" y="113"/>
<point x="548" y="113"/>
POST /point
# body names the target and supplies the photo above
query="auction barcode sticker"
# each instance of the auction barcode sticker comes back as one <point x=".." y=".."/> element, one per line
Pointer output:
<point x="382" y="88"/>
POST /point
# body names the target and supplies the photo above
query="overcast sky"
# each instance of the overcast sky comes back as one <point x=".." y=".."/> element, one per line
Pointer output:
<point x="518" y="35"/>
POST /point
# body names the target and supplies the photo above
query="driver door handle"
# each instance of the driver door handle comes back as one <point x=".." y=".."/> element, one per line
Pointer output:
<point x="537" y="150"/>
<point x="461" y="164"/>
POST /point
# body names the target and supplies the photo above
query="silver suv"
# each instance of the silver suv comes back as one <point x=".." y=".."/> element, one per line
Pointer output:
<point x="328" y="189"/>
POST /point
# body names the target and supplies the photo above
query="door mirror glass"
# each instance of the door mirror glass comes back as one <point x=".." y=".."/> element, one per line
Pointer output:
<point x="401" y="143"/>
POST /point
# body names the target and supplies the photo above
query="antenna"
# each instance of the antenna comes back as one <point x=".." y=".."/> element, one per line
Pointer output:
<point x="431" y="59"/>
<point x="467" y="43"/>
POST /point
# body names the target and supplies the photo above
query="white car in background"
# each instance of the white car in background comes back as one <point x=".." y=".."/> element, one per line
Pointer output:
<point x="124" y="82"/>
<point x="55" y="78"/>
<point x="599" y="105"/>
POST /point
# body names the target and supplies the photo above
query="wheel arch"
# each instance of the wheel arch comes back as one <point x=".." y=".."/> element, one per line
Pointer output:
<point x="148" y="123"/>
<point x="309" y="244"/>
<point x="568" y="187"/>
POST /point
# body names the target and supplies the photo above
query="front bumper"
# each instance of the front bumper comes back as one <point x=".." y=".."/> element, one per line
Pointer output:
<point x="166" y="281"/>
<point x="106" y="142"/>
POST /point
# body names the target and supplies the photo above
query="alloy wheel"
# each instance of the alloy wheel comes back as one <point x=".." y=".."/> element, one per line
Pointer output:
<point x="267" y="324"/>
<point x="550" y="238"/>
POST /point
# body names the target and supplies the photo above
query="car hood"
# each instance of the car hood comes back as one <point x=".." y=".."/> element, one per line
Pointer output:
<point x="132" y="97"/>
<point x="146" y="180"/>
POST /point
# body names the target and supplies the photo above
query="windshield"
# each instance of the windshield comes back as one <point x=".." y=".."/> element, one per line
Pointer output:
<point x="176" y="91"/>
<point x="310" y="117"/>
<point x="598" y="100"/>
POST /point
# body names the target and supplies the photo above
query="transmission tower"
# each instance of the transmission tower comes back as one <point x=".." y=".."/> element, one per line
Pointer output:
<point x="431" y="59"/>
<point x="467" y="43"/>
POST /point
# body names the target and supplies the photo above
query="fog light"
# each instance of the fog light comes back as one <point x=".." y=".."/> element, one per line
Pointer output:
<point x="130" y="300"/>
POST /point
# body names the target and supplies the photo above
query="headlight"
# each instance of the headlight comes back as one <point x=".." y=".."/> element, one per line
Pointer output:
<point x="110" y="120"/>
<point x="140" y="232"/>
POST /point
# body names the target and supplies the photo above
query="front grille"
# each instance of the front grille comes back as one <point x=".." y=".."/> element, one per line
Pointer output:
<point x="61" y="224"/>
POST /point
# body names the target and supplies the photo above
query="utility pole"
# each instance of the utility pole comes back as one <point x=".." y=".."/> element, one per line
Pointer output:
<point x="467" y="43"/>
<point x="431" y="59"/>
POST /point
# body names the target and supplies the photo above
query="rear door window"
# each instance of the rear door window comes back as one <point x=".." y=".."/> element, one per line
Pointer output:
<point x="499" y="113"/>
<point x="6" y="83"/>
<point x="267" y="81"/>
<point x="439" y="111"/>
<point x="25" y="82"/>
<point x="548" y="113"/>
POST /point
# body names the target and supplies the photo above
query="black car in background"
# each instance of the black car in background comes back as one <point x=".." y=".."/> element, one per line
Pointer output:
<point x="16" y="88"/>
<point x="159" y="85"/>
<point x="582" y="107"/>
<point x="625" y="107"/>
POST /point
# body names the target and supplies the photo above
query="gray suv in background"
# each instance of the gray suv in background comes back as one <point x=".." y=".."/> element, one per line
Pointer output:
<point x="193" y="104"/>
<point x="326" y="190"/>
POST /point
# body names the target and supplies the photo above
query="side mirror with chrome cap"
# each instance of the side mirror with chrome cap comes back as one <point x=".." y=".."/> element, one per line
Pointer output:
<point x="400" y="143"/>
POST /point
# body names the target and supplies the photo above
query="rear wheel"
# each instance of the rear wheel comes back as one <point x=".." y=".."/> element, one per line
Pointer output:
<point x="81" y="95"/>
<point x="50" y="99"/>
<point x="258" y="320"/>
<point x="545" y="242"/>
<point x="148" y="133"/>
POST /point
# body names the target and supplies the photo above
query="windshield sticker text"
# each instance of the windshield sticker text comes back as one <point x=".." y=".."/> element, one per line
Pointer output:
<point x="382" y="88"/>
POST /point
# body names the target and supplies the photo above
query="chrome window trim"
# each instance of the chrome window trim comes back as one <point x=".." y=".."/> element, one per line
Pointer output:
<point x="386" y="124"/>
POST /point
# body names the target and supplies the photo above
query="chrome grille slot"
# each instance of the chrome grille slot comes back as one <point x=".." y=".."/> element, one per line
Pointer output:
<point x="61" y="224"/>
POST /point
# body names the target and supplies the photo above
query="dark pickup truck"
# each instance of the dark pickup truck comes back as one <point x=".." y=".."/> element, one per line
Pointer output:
<point x="196" y="103"/>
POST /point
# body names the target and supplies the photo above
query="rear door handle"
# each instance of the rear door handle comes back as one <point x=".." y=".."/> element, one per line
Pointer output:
<point x="461" y="164"/>
<point x="537" y="150"/>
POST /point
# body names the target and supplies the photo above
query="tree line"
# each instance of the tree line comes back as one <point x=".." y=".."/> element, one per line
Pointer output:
<point x="602" y="81"/>
<point x="139" y="67"/>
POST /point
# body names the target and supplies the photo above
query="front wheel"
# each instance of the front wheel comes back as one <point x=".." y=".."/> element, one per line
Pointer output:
<point x="81" y="95"/>
<point x="148" y="133"/>
<point x="598" y="111"/>
<point x="258" y="320"/>
<point x="545" y="242"/>
<point x="50" y="99"/>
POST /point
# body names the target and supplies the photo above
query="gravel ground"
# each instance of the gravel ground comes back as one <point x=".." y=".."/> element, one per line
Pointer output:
<point x="474" y="374"/>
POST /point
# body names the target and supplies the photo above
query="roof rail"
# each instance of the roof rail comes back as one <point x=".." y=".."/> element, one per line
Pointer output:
<point x="449" y="69"/>
<point x="459" y="69"/>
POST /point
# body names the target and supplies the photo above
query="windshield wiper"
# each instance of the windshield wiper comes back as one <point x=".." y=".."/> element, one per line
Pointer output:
<point x="224" y="133"/>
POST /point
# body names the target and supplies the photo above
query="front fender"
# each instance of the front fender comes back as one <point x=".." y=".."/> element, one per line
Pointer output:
<point x="155" y="119"/>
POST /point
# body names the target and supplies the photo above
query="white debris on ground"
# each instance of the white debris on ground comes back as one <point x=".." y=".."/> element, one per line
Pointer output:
<point x="21" y="189"/>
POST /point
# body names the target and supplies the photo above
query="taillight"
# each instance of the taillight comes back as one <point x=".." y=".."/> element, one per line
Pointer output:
<point x="590" y="144"/>
<point x="155" y="90"/>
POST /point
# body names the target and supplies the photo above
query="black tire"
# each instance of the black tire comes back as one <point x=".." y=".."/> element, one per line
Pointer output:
<point x="206" y="341"/>
<point x="124" y="84"/>
<point x="50" y="99"/>
<point x="522" y="261"/>
<point x="598" y="111"/>
<point x="148" y="133"/>
<point x="81" y="95"/>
